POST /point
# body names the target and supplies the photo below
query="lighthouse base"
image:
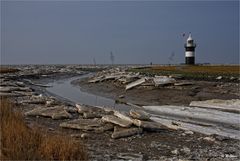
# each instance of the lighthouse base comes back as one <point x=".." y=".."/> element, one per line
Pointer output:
<point x="190" y="60"/>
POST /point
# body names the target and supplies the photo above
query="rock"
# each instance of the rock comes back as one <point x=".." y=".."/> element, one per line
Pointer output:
<point x="186" y="150"/>
<point x="56" y="112"/>
<point x="87" y="125"/>
<point x="130" y="156"/>
<point x="210" y="139"/>
<point x="139" y="114"/>
<point x="85" y="135"/>
<point x="189" y="132"/>
<point x="116" y="120"/>
<point x="219" y="77"/>
<point x="149" y="125"/>
<point x="120" y="132"/>
<point x="175" y="152"/>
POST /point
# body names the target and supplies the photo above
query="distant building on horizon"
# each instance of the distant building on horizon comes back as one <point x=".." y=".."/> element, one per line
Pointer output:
<point x="190" y="51"/>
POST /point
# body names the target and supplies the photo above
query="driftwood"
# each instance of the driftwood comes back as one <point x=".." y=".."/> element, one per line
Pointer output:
<point x="120" y="132"/>
<point x="10" y="89"/>
<point x="85" y="108"/>
<point x="123" y="115"/>
<point x="116" y="120"/>
<point x="7" y="94"/>
<point x="135" y="83"/>
<point x="163" y="80"/>
<point x="56" y="112"/>
<point x="149" y="125"/>
<point x="139" y="114"/>
<point x="87" y="125"/>
<point x="224" y="105"/>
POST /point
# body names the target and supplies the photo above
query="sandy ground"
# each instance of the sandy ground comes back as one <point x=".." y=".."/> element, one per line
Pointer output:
<point x="168" y="95"/>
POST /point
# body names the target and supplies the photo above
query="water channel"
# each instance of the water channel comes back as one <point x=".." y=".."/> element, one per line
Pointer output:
<point x="73" y="93"/>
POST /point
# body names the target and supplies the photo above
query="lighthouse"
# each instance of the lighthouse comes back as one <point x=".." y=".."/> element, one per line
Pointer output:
<point x="190" y="51"/>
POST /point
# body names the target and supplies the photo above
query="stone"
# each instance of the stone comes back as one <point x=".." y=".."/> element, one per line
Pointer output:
<point x="219" y="77"/>
<point x="210" y="139"/>
<point x="85" y="135"/>
<point x="186" y="150"/>
<point x="87" y="125"/>
<point x="189" y="132"/>
<point x="175" y="152"/>
<point x="149" y="125"/>
<point x="116" y="120"/>
<point x="120" y="132"/>
<point x="139" y="114"/>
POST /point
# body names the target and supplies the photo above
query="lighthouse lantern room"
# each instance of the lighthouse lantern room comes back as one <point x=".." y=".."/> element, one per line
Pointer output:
<point x="190" y="51"/>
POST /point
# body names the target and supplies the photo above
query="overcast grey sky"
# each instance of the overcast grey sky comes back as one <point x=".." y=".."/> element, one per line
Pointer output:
<point x="76" y="32"/>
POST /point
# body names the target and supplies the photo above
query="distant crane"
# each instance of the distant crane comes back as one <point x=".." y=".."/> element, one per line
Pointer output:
<point x="94" y="61"/>
<point x="112" y="58"/>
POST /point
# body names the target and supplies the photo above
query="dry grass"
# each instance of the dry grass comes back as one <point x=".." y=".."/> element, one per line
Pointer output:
<point x="19" y="142"/>
<point x="196" y="72"/>
<point x="199" y="69"/>
<point x="7" y="70"/>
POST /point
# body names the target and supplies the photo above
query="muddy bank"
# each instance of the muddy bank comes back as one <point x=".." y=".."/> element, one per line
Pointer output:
<point x="167" y="95"/>
<point x="158" y="145"/>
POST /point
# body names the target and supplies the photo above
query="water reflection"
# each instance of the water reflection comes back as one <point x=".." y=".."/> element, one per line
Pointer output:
<point x="65" y="89"/>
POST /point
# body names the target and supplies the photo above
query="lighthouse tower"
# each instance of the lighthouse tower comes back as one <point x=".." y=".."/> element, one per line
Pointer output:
<point x="189" y="51"/>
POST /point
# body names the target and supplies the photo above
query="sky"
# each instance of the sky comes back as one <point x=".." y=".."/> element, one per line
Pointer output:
<point x="136" y="32"/>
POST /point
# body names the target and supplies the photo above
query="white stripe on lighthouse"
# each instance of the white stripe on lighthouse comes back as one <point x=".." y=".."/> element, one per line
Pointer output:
<point x="189" y="54"/>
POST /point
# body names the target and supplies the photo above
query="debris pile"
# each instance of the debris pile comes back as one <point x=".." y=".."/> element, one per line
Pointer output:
<point x="132" y="80"/>
<point x="122" y="124"/>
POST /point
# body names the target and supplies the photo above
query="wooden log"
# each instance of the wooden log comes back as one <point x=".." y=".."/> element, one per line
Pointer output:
<point x="116" y="120"/>
<point x="139" y="114"/>
<point x="149" y="125"/>
<point x="123" y="115"/>
<point x="87" y="125"/>
<point x="135" y="83"/>
<point x="120" y="132"/>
